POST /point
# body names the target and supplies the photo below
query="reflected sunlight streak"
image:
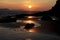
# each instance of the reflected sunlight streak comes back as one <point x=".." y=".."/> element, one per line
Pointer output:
<point x="28" y="21"/>
<point x="32" y="30"/>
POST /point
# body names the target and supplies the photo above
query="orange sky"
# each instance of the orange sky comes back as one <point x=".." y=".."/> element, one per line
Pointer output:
<point x="36" y="5"/>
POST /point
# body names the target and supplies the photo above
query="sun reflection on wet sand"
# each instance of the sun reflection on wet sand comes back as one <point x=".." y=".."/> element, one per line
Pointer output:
<point x="28" y="39"/>
<point x="28" y="21"/>
<point x="31" y="17"/>
<point x="32" y="30"/>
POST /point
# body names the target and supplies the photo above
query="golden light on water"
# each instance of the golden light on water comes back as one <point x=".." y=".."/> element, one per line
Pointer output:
<point x="28" y="21"/>
<point x="30" y="16"/>
<point x="32" y="30"/>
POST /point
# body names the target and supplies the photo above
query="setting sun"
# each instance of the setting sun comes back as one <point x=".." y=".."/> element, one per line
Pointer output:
<point x="29" y="6"/>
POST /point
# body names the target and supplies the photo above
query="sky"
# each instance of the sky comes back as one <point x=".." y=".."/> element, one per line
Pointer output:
<point x="36" y="5"/>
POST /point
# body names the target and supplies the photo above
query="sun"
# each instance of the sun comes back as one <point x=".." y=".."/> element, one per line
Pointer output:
<point x="30" y="6"/>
